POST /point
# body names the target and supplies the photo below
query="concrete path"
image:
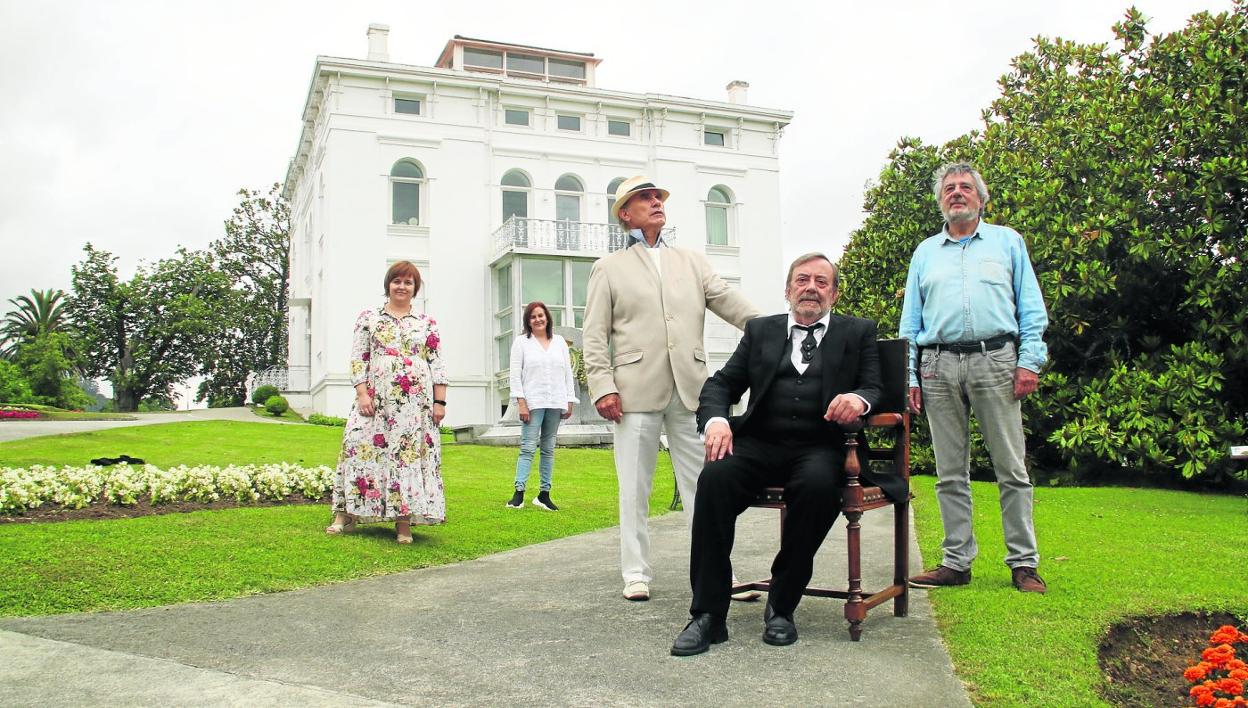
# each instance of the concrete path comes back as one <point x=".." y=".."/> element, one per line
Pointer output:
<point x="542" y="625"/>
<point x="19" y="429"/>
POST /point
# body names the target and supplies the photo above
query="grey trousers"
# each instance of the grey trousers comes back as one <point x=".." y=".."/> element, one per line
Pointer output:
<point x="954" y="385"/>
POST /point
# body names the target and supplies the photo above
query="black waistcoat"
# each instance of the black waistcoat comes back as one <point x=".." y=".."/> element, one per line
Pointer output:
<point x="792" y="409"/>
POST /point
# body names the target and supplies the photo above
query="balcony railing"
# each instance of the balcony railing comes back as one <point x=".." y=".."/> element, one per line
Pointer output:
<point x="294" y="378"/>
<point x="562" y="236"/>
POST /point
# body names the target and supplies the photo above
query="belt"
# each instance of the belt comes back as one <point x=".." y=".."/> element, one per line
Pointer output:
<point x="987" y="345"/>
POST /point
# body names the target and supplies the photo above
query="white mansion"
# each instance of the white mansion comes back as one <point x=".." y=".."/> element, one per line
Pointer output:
<point x="491" y="171"/>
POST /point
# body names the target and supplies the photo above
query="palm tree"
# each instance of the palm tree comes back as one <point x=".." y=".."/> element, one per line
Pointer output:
<point x="43" y="311"/>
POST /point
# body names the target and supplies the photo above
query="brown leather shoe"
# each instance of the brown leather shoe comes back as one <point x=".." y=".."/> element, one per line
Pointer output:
<point x="940" y="577"/>
<point x="1026" y="580"/>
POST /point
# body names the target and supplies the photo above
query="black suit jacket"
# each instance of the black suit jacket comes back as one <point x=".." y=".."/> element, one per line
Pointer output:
<point x="851" y="364"/>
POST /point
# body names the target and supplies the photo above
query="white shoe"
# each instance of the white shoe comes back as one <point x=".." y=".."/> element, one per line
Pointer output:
<point x="636" y="591"/>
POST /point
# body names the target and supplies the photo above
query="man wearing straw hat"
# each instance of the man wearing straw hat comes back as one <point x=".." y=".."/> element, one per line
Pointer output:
<point x="644" y="320"/>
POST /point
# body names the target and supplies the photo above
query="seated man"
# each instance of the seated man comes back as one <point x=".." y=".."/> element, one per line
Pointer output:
<point x="808" y="372"/>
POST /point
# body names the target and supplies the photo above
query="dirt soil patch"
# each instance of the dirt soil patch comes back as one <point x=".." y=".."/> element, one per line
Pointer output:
<point x="1143" y="658"/>
<point x="143" y="508"/>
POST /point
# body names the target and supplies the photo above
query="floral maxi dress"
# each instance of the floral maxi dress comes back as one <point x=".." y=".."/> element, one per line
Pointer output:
<point x="391" y="462"/>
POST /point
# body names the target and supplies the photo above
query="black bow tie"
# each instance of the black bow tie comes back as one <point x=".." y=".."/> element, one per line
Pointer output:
<point x="809" y="344"/>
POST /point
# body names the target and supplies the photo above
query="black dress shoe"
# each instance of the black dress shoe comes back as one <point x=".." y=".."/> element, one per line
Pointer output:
<point x="702" y="631"/>
<point x="780" y="630"/>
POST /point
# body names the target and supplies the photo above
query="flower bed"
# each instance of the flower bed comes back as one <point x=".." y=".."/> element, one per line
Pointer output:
<point x="13" y="414"/>
<point x="1220" y="676"/>
<point x="23" y="489"/>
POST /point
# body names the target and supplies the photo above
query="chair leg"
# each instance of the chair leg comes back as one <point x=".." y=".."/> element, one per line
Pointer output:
<point x="855" y="611"/>
<point x="901" y="557"/>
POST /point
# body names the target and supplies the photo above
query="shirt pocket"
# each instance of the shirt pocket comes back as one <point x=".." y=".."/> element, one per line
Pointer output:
<point x="994" y="273"/>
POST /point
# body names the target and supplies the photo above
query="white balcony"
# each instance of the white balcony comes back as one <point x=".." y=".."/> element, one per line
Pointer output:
<point x="525" y="235"/>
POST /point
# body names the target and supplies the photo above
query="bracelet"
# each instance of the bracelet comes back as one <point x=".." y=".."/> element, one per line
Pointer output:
<point x="436" y="401"/>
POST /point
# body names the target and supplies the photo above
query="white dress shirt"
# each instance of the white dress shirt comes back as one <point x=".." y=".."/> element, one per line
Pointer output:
<point x="542" y="377"/>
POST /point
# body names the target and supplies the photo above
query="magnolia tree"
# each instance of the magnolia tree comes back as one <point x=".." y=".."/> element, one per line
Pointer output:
<point x="1125" y="168"/>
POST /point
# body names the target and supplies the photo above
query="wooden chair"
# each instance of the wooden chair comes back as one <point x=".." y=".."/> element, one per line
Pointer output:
<point x="890" y="416"/>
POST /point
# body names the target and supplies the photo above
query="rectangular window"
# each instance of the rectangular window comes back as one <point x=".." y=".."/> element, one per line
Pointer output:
<point x="570" y="123"/>
<point x="406" y="203"/>
<point x="514" y="116"/>
<point x="619" y="127"/>
<point x="542" y="279"/>
<point x="716" y="225"/>
<point x="713" y="137"/>
<point x="563" y="68"/>
<point x="503" y="286"/>
<point x="410" y="106"/>
<point x="481" y="57"/>
<point x="525" y="63"/>
<point x="515" y="204"/>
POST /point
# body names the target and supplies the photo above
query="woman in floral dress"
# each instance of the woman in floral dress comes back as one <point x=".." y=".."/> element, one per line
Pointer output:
<point x="390" y="468"/>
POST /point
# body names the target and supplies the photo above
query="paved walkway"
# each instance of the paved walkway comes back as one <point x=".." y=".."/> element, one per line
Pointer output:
<point x="19" y="429"/>
<point x="541" y="625"/>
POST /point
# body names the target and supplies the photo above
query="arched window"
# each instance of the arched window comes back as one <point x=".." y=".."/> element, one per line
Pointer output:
<point x="407" y="181"/>
<point x="516" y="188"/>
<point x="568" y="191"/>
<point x="612" y="217"/>
<point x="718" y="204"/>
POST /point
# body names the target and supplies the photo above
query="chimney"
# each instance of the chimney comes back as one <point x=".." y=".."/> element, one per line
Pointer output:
<point x="377" y="35"/>
<point x="737" y="92"/>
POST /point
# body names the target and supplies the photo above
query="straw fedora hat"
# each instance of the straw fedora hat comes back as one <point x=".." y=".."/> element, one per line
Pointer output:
<point x="631" y="186"/>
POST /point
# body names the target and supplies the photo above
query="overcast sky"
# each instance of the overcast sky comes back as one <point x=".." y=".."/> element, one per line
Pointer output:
<point x="132" y="125"/>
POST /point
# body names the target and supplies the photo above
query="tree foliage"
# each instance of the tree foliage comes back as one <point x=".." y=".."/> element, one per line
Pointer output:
<point x="49" y="365"/>
<point x="148" y="333"/>
<point x="42" y="311"/>
<point x="1125" y="168"/>
<point x="254" y="254"/>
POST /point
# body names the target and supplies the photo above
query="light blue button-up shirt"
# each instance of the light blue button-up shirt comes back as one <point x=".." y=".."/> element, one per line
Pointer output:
<point x="972" y="290"/>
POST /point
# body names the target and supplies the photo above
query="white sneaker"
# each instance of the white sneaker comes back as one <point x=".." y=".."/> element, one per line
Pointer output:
<point x="636" y="591"/>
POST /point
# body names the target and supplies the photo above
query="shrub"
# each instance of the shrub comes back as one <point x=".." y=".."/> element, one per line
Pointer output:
<point x="328" y="420"/>
<point x="276" y="405"/>
<point x="262" y="394"/>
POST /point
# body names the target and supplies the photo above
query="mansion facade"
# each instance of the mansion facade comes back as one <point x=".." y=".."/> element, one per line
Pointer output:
<point x="493" y="171"/>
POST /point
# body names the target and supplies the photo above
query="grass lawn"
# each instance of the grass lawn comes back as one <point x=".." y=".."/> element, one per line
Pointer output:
<point x="1106" y="553"/>
<point x="75" y="566"/>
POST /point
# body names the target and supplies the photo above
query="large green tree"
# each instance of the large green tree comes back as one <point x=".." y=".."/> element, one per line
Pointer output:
<point x="255" y="255"/>
<point x="152" y="331"/>
<point x="1125" y="167"/>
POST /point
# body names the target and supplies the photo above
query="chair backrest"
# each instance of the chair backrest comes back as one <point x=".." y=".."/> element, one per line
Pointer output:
<point x="894" y="356"/>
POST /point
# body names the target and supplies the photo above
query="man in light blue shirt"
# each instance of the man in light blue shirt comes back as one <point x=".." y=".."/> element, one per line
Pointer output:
<point x="975" y="318"/>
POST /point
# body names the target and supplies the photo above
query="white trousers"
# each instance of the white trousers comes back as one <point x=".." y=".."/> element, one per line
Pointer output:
<point x="636" y="454"/>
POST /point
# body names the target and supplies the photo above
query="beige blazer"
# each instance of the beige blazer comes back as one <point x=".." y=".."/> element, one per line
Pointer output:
<point x="643" y="333"/>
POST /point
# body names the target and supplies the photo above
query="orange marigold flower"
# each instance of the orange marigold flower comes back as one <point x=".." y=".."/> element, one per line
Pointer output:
<point x="1226" y="634"/>
<point x="1241" y="674"/>
<point x="1200" y="689"/>
<point x="1236" y="664"/>
<point x="1219" y="655"/>
<point x="1223" y="703"/>
<point x="1197" y="672"/>
<point x="1230" y="686"/>
<point x="1240" y="701"/>
<point x="1204" y="699"/>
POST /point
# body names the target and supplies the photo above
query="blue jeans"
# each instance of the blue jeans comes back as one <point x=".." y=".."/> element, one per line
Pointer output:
<point x="543" y="423"/>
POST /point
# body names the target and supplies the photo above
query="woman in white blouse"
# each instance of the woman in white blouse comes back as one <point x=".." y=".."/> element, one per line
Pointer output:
<point x="541" y="385"/>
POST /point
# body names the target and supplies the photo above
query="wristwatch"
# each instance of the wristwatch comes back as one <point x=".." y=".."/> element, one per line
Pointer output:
<point x="438" y="401"/>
